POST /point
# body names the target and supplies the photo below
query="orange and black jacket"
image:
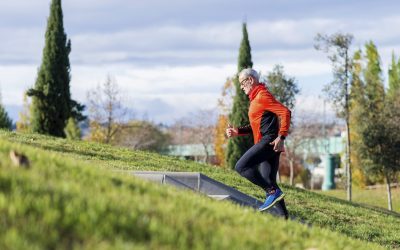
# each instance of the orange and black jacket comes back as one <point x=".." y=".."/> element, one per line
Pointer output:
<point x="268" y="117"/>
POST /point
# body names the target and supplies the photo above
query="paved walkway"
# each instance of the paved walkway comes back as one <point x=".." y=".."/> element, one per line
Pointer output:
<point x="201" y="183"/>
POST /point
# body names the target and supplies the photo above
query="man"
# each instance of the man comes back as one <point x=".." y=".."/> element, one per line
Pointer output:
<point x="269" y="124"/>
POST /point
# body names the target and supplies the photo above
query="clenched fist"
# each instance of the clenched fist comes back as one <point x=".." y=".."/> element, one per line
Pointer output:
<point x="231" y="131"/>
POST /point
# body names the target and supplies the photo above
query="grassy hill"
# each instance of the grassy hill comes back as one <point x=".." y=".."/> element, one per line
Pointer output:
<point x="374" y="197"/>
<point x="69" y="198"/>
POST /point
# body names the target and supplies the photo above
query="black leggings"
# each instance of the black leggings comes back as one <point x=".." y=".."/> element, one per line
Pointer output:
<point x="260" y="165"/>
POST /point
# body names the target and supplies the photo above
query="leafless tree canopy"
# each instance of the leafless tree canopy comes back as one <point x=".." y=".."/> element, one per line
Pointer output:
<point x="106" y="110"/>
<point x="196" y="128"/>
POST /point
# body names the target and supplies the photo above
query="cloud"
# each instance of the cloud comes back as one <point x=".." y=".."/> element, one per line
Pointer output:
<point x="14" y="80"/>
<point x="172" y="57"/>
<point x="212" y="43"/>
<point x="313" y="104"/>
<point x="289" y="33"/>
<point x="163" y="93"/>
<point x="21" y="46"/>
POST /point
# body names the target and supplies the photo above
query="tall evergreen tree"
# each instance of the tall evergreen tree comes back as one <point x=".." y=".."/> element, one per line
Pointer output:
<point x="379" y="123"/>
<point x="51" y="98"/>
<point x="374" y="104"/>
<point x="381" y="138"/>
<point x="356" y="109"/>
<point x="394" y="77"/>
<point x="237" y="146"/>
<point x="374" y="88"/>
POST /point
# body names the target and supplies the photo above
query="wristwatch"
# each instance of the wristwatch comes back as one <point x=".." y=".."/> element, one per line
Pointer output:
<point x="282" y="137"/>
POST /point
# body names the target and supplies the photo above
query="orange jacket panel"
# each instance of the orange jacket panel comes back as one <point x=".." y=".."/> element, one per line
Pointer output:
<point x="261" y="101"/>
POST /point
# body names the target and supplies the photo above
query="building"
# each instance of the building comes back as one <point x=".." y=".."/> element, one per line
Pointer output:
<point x="195" y="152"/>
<point x="325" y="153"/>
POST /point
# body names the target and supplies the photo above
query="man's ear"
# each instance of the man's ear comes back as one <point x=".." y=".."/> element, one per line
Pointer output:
<point x="251" y="80"/>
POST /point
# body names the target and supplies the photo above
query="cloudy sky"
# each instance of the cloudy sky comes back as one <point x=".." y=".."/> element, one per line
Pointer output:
<point x="171" y="58"/>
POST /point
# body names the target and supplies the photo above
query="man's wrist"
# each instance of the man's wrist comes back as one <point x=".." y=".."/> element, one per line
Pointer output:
<point x="282" y="137"/>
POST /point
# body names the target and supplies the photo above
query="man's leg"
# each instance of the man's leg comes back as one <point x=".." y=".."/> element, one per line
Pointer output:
<point x="261" y="154"/>
<point x="274" y="161"/>
<point x="247" y="165"/>
<point x="268" y="171"/>
<point x="282" y="206"/>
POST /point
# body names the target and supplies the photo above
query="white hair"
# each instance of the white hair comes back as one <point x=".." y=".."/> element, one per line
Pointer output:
<point x="249" y="72"/>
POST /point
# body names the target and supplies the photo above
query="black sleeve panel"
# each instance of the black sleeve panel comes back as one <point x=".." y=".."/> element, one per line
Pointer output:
<point x="269" y="125"/>
<point x="243" y="130"/>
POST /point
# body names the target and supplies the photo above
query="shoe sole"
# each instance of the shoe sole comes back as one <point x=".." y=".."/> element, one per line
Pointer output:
<point x="273" y="203"/>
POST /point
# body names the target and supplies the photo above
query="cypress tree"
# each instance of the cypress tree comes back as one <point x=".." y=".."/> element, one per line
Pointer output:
<point x="237" y="146"/>
<point x="51" y="98"/>
<point x="394" y="78"/>
<point x="371" y="118"/>
<point x="357" y="109"/>
<point x="374" y="88"/>
<point x="380" y="130"/>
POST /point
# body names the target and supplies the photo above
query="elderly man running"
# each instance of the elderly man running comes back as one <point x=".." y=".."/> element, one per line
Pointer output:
<point x="269" y="124"/>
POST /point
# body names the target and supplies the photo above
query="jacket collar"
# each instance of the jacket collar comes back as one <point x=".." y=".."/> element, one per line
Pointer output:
<point x="253" y="93"/>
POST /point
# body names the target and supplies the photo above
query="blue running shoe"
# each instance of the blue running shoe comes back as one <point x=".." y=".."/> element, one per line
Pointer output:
<point x="272" y="199"/>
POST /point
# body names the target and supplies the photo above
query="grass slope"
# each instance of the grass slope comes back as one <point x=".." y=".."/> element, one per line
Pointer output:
<point x="69" y="198"/>
<point x="374" y="197"/>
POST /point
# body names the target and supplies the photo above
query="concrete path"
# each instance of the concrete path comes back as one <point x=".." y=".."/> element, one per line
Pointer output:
<point x="201" y="183"/>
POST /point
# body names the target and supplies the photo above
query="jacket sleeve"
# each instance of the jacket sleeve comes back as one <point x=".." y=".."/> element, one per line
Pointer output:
<point x="244" y="130"/>
<point x="281" y="111"/>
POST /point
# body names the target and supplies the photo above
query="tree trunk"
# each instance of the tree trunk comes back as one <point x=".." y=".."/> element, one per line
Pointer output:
<point x="348" y="165"/>
<point x="312" y="180"/>
<point x="291" y="170"/>
<point x="347" y="110"/>
<point x="389" y="191"/>
<point x="108" y="133"/>
<point x="206" y="152"/>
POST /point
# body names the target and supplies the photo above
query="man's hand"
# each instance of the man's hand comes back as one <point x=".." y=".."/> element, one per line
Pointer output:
<point x="279" y="144"/>
<point x="231" y="131"/>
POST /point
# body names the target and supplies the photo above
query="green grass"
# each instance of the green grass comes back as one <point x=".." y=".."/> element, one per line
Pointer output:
<point x="374" y="197"/>
<point x="71" y="199"/>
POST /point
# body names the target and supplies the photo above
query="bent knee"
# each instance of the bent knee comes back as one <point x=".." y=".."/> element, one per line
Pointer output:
<point x="239" y="168"/>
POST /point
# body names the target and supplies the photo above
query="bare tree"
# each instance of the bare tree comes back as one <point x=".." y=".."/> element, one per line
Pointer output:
<point x="224" y="107"/>
<point x="337" y="46"/>
<point x="204" y="130"/>
<point x="106" y="112"/>
<point x="143" y="135"/>
<point x="306" y="127"/>
<point x="197" y="128"/>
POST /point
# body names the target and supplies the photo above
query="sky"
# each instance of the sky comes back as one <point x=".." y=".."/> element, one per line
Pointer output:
<point x="171" y="58"/>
